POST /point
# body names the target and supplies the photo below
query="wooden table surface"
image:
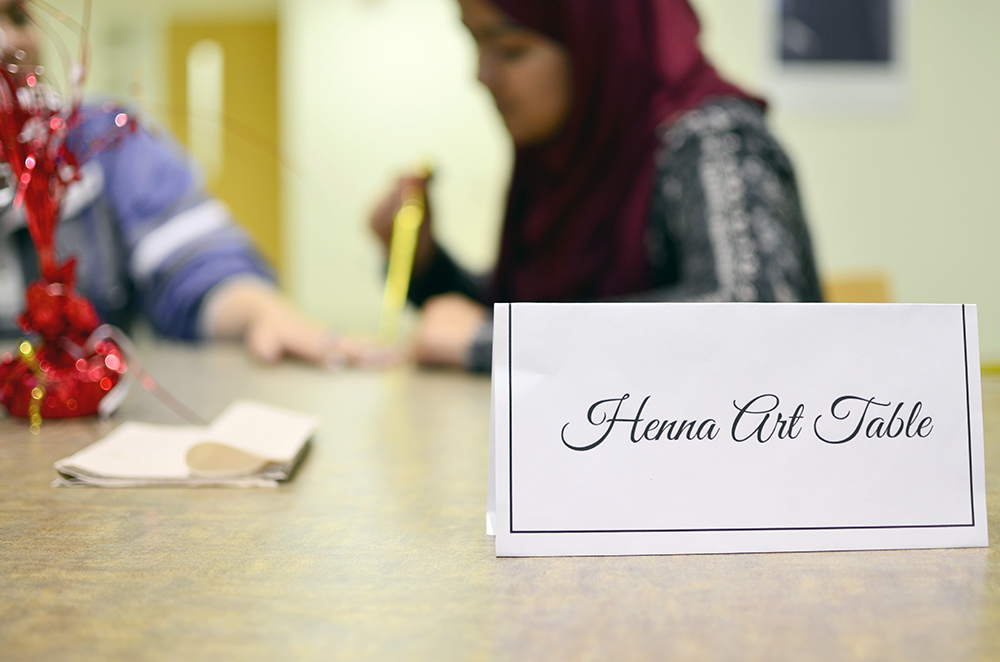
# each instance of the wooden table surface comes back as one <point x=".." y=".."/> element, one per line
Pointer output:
<point x="377" y="550"/>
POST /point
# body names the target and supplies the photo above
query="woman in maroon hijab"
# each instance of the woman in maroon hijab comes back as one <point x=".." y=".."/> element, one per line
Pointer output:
<point x="639" y="174"/>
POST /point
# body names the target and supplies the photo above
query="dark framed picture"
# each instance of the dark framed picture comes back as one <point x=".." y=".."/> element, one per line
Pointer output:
<point x="840" y="56"/>
<point x="857" y="31"/>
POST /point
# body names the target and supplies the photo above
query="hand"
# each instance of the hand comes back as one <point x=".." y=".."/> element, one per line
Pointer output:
<point x="446" y="329"/>
<point x="273" y="329"/>
<point x="382" y="217"/>
<point x="277" y="334"/>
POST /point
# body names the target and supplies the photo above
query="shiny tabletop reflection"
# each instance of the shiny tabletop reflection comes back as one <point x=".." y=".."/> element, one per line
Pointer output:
<point x="377" y="549"/>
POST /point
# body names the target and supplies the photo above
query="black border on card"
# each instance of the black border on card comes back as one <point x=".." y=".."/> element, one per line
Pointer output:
<point x="510" y="459"/>
<point x="510" y="415"/>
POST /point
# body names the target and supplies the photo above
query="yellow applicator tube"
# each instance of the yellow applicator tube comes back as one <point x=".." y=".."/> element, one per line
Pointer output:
<point x="402" y="249"/>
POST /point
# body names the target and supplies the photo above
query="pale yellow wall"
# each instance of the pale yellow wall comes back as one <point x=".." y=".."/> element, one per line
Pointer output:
<point x="128" y="50"/>
<point x="371" y="85"/>
<point x="913" y="193"/>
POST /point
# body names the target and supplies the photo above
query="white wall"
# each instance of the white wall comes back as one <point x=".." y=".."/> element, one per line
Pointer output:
<point x="369" y="86"/>
<point x="915" y="193"/>
<point x="128" y="41"/>
<point x="911" y="193"/>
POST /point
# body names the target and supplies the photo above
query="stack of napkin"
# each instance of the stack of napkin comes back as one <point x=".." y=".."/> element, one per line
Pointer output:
<point x="249" y="445"/>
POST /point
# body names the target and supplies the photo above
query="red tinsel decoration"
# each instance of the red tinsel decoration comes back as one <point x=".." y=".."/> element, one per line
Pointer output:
<point x="62" y="373"/>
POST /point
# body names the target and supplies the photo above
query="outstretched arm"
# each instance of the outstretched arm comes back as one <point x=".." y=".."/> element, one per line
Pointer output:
<point x="273" y="328"/>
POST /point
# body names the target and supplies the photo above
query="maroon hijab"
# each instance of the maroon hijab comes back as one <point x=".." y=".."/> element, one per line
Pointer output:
<point x="578" y="207"/>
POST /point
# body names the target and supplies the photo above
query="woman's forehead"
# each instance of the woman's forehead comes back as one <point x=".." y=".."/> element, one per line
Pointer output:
<point x="485" y="21"/>
<point x="495" y="30"/>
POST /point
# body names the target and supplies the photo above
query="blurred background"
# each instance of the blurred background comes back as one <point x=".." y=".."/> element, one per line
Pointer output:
<point x="300" y="113"/>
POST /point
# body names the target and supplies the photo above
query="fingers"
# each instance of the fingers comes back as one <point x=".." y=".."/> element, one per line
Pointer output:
<point x="447" y="328"/>
<point x="273" y="329"/>
<point x="269" y="342"/>
<point x="367" y="354"/>
<point x="264" y="344"/>
<point x="382" y="216"/>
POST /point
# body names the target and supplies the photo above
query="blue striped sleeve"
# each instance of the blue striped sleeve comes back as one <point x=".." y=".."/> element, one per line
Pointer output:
<point x="181" y="243"/>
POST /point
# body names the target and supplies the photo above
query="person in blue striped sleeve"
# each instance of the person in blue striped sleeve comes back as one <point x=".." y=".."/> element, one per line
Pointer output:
<point x="150" y="242"/>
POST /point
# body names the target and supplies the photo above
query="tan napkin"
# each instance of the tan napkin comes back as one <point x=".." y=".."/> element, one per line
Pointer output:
<point x="250" y="444"/>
